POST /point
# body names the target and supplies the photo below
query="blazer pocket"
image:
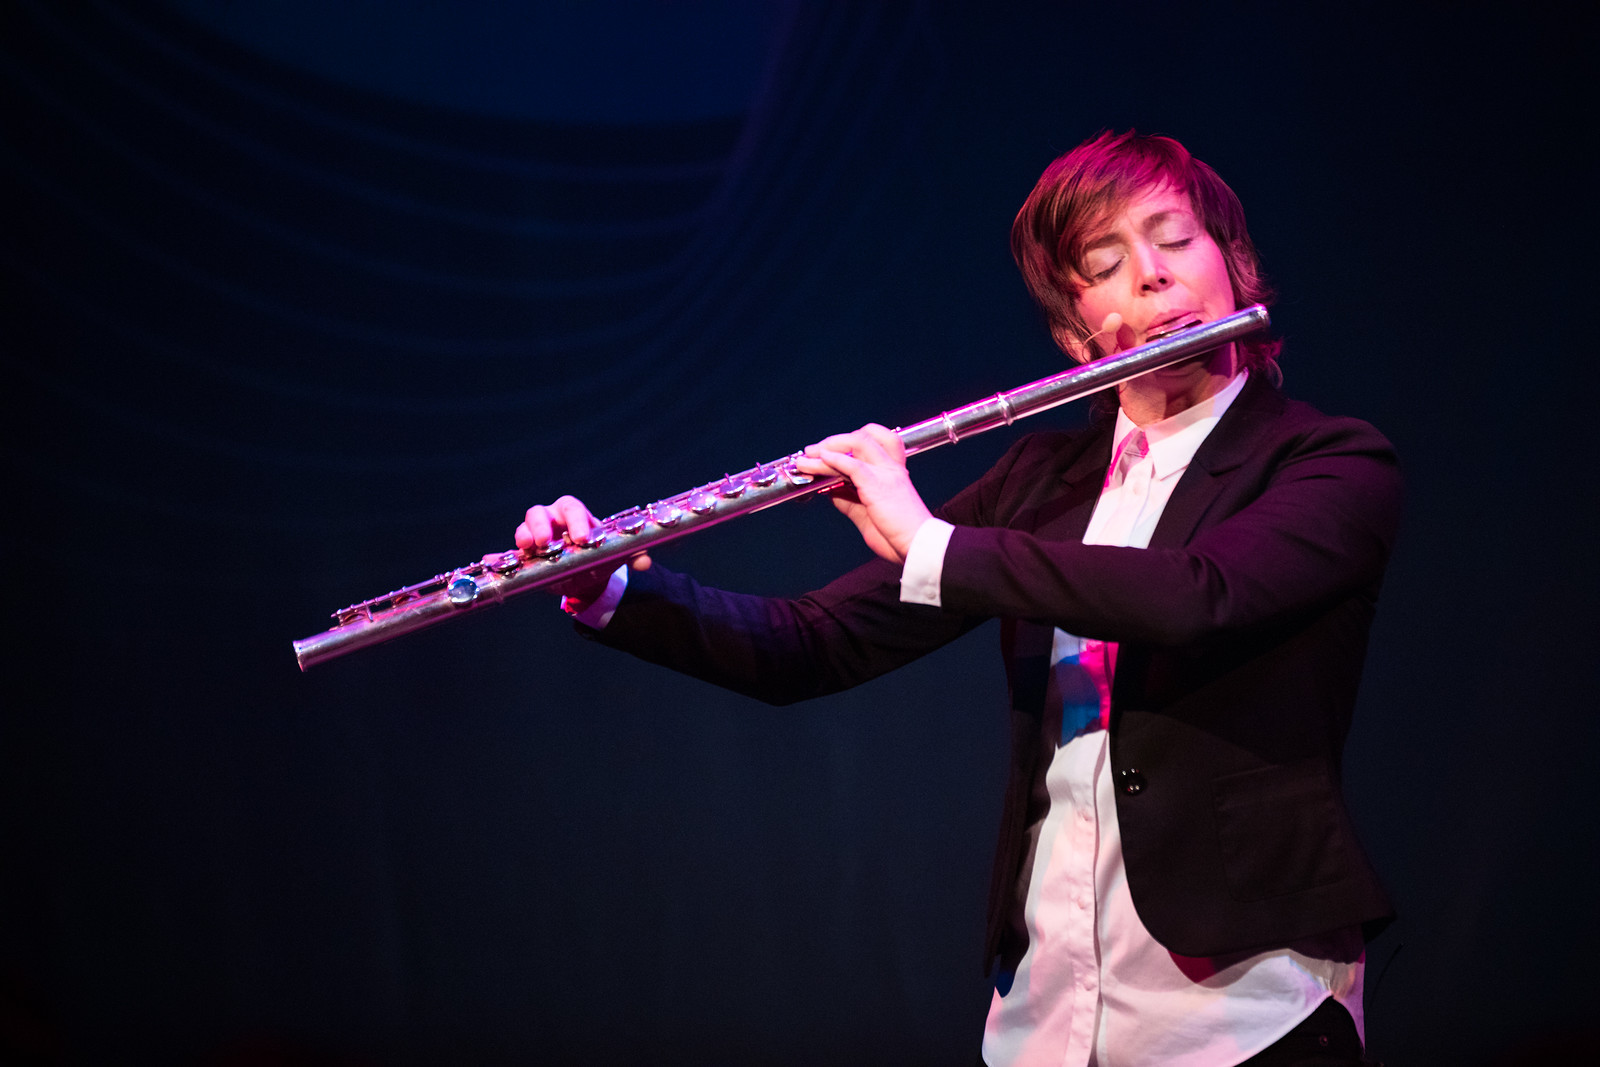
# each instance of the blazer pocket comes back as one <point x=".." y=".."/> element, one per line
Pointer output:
<point x="1280" y="829"/>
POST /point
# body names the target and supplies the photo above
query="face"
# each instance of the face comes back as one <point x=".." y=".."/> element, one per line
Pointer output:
<point x="1156" y="266"/>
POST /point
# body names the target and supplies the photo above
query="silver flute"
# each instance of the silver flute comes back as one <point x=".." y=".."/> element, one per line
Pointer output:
<point x="478" y="585"/>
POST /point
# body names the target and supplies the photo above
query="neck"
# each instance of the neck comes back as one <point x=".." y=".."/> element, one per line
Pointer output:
<point x="1162" y="394"/>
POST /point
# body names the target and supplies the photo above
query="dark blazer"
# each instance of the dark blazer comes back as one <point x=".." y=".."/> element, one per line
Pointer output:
<point x="1242" y="632"/>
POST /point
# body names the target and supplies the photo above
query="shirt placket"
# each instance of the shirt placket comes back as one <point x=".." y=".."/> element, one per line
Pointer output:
<point x="1069" y="893"/>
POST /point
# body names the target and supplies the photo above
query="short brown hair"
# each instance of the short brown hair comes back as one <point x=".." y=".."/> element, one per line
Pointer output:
<point x="1083" y="188"/>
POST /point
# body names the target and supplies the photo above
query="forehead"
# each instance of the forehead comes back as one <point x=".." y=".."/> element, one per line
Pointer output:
<point x="1143" y="206"/>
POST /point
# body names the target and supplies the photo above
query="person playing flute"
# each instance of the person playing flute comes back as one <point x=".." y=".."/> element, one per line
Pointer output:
<point x="1185" y="589"/>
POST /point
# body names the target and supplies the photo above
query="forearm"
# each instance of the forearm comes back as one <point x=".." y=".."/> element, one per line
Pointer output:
<point x="1312" y="525"/>
<point x="778" y="650"/>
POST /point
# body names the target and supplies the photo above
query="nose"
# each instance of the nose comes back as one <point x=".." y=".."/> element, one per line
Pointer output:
<point x="1154" y="276"/>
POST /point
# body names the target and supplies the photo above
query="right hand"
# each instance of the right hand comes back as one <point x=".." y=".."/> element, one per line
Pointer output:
<point x="568" y="518"/>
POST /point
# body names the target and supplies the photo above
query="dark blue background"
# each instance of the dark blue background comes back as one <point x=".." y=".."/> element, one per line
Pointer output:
<point x="306" y="305"/>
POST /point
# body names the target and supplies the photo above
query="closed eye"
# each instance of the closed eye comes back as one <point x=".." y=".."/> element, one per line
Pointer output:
<point x="1100" y="276"/>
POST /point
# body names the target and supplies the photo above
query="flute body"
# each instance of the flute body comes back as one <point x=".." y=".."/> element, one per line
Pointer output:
<point x="477" y="585"/>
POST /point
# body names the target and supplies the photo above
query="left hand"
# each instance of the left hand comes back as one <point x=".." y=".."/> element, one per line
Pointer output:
<point x="880" y="498"/>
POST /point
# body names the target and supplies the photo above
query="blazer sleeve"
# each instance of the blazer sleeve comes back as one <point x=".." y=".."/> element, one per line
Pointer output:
<point x="781" y="650"/>
<point x="1308" y="518"/>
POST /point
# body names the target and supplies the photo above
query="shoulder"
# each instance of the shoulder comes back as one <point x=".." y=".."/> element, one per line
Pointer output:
<point x="1266" y="423"/>
<point x="1033" y="461"/>
<point x="1311" y="430"/>
<point x="1049" y="450"/>
<point x="1334" y="467"/>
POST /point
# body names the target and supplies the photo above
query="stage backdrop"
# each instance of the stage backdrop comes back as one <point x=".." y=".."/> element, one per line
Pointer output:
<point x="306" y="301"/>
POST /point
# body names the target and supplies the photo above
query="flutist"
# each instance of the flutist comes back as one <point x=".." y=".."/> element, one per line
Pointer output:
<point x="1185" y="590"/>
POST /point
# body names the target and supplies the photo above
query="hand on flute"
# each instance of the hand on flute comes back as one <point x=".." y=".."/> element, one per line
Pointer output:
<point x="569" y="518"/>
<point x="879" y="498"/>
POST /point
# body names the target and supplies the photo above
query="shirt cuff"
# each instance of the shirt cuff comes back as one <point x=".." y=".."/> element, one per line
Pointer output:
<point x="924" y="566"/>
<point x="598" y="614"/>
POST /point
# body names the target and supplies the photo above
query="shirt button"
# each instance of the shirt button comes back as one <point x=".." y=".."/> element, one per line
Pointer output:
<point x="1131" y="781"/>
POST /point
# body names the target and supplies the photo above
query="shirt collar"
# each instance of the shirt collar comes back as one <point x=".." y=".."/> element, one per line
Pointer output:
<point x="1174" y="440"/>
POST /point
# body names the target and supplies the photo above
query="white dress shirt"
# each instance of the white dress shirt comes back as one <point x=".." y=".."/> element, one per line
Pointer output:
<point x="1093" y="987"/>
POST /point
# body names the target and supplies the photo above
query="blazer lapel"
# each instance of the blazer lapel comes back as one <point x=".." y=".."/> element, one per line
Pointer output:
<point x="1230" y="443"/>
<point x="1062" y="514"/>
<point x="1064" y="511"/>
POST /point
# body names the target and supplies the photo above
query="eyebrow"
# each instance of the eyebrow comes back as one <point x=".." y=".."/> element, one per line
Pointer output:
<point x="1150" y="223"/>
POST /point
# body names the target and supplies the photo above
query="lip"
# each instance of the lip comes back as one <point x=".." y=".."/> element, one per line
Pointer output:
<point x="1170" y="324"/>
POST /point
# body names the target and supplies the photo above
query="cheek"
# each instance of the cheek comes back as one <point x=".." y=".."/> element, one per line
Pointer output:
<point x="1218" y="286"/>
<point x="1094" y="306"/>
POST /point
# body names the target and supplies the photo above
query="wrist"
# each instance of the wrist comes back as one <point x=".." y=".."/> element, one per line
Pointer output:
<point x="596" y="611"/>
<point x="908" y="536"/>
